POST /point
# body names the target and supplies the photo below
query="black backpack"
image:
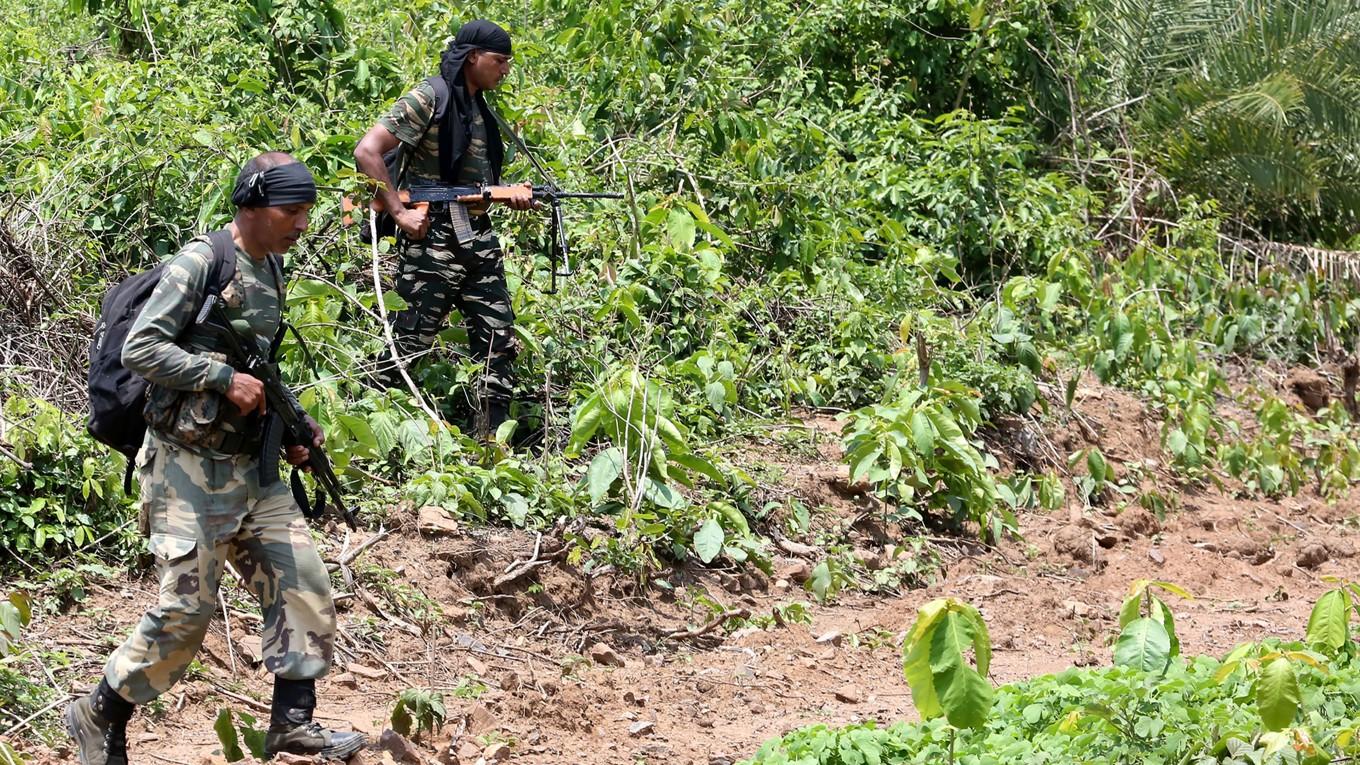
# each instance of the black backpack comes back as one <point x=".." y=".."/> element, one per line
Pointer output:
<point x="117" y="395"/>
<point x="395" y="160"/>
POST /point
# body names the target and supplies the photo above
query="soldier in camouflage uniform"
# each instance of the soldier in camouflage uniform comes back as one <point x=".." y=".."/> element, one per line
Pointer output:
<point x="436" y="272"/>
<point x="204" y="501"/>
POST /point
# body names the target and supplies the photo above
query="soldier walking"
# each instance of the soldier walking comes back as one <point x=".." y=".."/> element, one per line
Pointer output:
<point x="207" y="493"/>
<point x="451" y="140"/>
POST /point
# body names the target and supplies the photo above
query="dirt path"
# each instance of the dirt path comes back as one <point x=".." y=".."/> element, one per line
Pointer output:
<point x="565" y="668"/>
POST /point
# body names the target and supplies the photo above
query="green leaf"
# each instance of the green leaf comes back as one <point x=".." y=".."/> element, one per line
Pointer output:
<point x="1277" y="694"/>
<point x="516" y="507"/>
<point x="226" y="734"/>
<point x="922" y="434"/>
<point x="253" y="736"/>
<point x="1143" y="644"/>
<point x="708" y="542"/>
<point x="716" y="393"/>
<point x="1130" y="610"/>
<point x="1329" y="623"/>
<point x="1096" y="466"/>
<point x="819" y="581"/>
<point x="604" y="470"/>
<point x="401" y="718"/>
<point x="699" y="465"/>
<point x="680" y="229"/>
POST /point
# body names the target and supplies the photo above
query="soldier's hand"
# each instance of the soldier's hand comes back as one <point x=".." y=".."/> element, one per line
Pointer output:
<point x="246" y="392"/>
<point x="298" y="454"/>
<point x="414" y="222"/>
<point x="522" y="197"/>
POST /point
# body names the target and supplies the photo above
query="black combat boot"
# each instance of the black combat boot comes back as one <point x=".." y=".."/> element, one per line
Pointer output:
<point x="292" y="730"/>
<point x="98" y="723"/>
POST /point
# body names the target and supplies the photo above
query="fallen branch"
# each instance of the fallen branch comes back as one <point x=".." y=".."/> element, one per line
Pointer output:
<point x="740" y="613"/>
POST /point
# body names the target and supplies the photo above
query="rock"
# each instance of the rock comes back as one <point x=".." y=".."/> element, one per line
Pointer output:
<point x="469" y="752"/>
<point x="497" y="752"/>
<point x="481" y="720"/>
<point x="477" y="665"/>
<point x="1313" y="554"/>
<point x="1340" y="548"/>
<point x="847" y="694"/>
<point x="252" y="648"/>
<point x="634" y="699"/>
<point x="795" y="572"/>
<point x="833" y="637"/>
<point x="434" y="521"/>
<point x="868" y="559"/>
<point x="602" y="654"/>
<point x="1137" y="522"/>
<point x="346" y="680"/>
<point x="510" y="681"/>
<point x="368" y="673"/>
<point x="794" y="548"/>
<point x="641" y="728"/>
<point x="1312" y="388"/>
<point x="719" y="758"/>
<point x="1157" y="556"/>
<point x="1074" y="542"/>
<point x="1076" y="608"/>
<point x="396" y="744"/>
<point x="288" y="758"/>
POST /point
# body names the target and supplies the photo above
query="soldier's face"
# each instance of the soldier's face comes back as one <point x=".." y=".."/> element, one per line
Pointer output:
<point x="281" y="226"/>
<point x="485" y="69"/>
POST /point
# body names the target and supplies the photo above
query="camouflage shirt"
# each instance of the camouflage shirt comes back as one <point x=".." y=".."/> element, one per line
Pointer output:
<point x="409" y="119"/>
<point x="189" y="368"/>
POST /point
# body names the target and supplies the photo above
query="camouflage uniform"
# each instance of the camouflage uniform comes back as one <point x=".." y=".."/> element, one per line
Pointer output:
<point x="436" y="274"/>
<point x="201" y="498"/>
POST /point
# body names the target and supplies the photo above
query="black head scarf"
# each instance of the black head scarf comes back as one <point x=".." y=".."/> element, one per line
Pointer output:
<point x="474" y="35"/>
<point x="288" y="184"/>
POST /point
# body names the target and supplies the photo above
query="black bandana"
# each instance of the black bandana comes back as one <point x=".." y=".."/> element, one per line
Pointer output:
<point x="288" y="184"/>
<point x="474" y="35"/>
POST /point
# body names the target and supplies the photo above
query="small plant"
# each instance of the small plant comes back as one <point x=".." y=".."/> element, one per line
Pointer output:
<point x="15" y="614"/>
<point x="416" y="710"/>
<point x="1330" y="620"/>
<point x="1147" y="637"/>
<point x="936" y="665"/>
<point x="230" y="733"/>
<point x="1274" y="677"/>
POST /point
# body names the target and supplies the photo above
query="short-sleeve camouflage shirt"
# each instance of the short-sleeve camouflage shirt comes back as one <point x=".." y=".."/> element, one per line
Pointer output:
<point x="412" y="117"/>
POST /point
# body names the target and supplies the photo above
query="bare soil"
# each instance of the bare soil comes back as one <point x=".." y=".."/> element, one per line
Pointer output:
<point x="594" y="669"/>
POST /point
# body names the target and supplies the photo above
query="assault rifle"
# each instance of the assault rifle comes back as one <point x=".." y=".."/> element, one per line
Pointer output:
<point x="422" y="196"/>
<point x="296" y="429"/>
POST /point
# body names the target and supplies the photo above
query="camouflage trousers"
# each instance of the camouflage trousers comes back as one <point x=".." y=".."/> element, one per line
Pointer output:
<point x="436" y="275"/>
<point x="204" y="513"/>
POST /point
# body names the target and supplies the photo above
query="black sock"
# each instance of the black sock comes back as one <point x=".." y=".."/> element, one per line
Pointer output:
<point x="294" y="701"/>
<point x="113" y="707"/>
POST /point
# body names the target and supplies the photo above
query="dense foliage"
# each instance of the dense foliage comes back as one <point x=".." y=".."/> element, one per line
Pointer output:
<point x="820" y="199"/>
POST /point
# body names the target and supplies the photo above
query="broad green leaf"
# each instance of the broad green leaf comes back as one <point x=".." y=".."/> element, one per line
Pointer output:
<point x="1277" y="694"/>
<point x="965" y="696"/>
<point x="699" y="465"/>
<point x="604" y="470"/>
<point x="226" y="734"/>
<point x="1130" y="610"/>
<point x="922" y="433"/>
<point x="1329" y="622"/>
<point x="708" y="542"/>
<point x="680" y="229"/>
<point x="1143" y="644"/>
<point x="819" y="581"/>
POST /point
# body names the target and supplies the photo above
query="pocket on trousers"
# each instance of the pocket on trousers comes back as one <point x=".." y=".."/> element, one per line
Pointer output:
<point x="169" y="548"/>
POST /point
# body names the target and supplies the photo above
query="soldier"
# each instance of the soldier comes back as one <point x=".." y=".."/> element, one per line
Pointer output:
<point x="436" y="272"/>
<point x="205" y="499"/>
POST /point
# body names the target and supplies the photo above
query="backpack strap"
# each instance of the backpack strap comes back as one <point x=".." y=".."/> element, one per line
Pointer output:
<point x="222" y="270"/>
